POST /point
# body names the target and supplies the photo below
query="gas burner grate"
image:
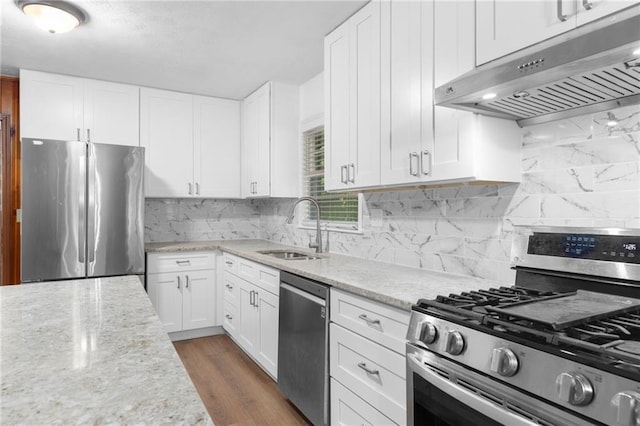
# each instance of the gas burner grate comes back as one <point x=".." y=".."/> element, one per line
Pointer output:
<point x="471" y="300"/>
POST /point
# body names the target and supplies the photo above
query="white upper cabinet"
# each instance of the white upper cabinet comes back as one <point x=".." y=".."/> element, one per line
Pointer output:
<point x="166" y="132"/>
<point x="504" y="26"/>
<point x="256" y="143"/>
<point x="467" y="146"/>
<point x="407" y="92"/>
<point x="424" y="45"/>
<point x="216" y="136"/>
<point x="590" y="10"/>
<point x="192" y="145"/>
<point x="270" y="142"/>
<point x="352" y="101"/>
<point x="54" y="106"/>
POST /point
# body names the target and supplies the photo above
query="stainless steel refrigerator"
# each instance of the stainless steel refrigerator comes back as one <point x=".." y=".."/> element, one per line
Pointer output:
<point x="82" y="210"/>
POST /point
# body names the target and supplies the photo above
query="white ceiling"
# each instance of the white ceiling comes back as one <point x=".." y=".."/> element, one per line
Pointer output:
<point x="218" y="48"/>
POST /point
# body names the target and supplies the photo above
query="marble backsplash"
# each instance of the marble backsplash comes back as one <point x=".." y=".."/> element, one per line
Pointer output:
<point x="200" y="220"/>
<point x="577" y="172"/>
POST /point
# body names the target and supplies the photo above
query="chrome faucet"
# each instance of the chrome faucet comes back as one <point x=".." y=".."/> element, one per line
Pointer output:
<point x="318" y="243"/>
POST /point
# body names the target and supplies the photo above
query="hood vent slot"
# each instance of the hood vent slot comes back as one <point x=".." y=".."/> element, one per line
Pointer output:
<point x="606" y="85"/>
<point x="593" y="68"/>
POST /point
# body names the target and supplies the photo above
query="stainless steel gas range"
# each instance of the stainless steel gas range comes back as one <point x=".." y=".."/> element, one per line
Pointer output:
<point x="561" y="347"/>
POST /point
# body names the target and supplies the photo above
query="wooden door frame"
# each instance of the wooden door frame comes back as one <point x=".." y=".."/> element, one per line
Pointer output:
<point x="11" y="181"/>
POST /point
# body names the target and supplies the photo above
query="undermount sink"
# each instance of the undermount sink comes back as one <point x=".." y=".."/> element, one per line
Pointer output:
<point x="291" y="255"/>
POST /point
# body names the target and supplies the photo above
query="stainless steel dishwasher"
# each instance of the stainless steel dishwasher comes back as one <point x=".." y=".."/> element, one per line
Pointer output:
<point x="303" y="364"/>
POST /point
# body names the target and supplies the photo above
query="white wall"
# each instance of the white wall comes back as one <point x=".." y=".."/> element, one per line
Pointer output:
<point x="312" y="102"/>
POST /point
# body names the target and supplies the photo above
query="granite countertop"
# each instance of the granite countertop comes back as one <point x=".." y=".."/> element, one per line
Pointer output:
<point x="90" y="352"/>
<point x="395" y="285"/>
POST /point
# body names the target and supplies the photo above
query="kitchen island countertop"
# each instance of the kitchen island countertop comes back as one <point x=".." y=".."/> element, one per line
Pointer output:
<point x="394" y="285"/>
<point x="90" y="352"/>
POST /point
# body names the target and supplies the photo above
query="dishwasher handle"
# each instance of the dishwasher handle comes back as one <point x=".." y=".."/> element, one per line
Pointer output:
<point x="303" y="293"/>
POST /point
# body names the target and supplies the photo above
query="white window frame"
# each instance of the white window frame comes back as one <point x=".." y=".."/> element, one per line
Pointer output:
<point x="302" y="221"/>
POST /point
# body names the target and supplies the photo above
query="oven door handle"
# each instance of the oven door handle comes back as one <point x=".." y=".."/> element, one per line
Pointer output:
<point x="466" y="397"/>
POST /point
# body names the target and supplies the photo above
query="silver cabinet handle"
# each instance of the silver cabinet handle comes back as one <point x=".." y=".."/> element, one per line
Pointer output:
<point x="187" y="281"/>
<point x="78" y="134"/>
<point x="561" y="16"/>
<point x="343" y="174"/>
<point x="197" y="188"/>
<point x="426" y="153"/>
<point x="178" y="281"/>
<point x="587" y="4"/>
<point x="413" y="155"/>
<point x="88" y="135"/>
<point x="183" y="262"/>
<point x="229" y="286"/>
<point x="228" y="262"/>
<point x="229" y="317"/>
<point x="352" y="173"/>
<point x="255" y="187"/>
<point x="367" y="369"/>
<point x="190" y="187"/>
<point x="368" y="320"/>
<point x="251" y="297"/>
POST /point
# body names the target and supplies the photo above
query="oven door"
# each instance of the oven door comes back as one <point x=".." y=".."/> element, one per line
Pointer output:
<point x="442" y="393"/>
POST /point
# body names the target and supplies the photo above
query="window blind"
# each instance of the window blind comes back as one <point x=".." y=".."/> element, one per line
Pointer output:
<point x="337" y="208"/>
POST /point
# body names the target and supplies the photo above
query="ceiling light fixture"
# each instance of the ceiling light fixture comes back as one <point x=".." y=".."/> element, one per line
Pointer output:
<point x="53" y="16"/>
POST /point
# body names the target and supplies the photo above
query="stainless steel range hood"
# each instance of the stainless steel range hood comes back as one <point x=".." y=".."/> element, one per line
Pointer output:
<point x="592" y="68"/>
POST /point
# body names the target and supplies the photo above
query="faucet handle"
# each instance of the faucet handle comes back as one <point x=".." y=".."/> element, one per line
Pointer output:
<point x="312" y="244"/>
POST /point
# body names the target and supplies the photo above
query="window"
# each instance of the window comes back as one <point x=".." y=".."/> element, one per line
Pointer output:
<point x="341" y="211"/>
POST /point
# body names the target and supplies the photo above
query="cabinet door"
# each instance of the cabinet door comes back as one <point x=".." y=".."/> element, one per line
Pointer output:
<point x="267" y="350"/>
<point x="452" y="155"/>
<point x="165" y="292"/>
<point x="504" y="26"/>
<point x="248" y="325"/>
<point x="336" y="98"/>
<point x="216" y="160"/>
<point x="256" y="142"/>
<point x="166" y="131"/>
<point x="407" y="114"/>
<point x="364" y="95"/>
<point x="111" y="113"/>
<point x="590" y="10"/>
<point x="50" y="106"/>
<point x="199" y="299"/>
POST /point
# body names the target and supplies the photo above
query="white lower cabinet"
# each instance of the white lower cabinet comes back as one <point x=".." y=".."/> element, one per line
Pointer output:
<point x="349" y="409"/>
<point x="367" y="361"/>
<point x="251" y="309"/>
<point x="182" y="289"/>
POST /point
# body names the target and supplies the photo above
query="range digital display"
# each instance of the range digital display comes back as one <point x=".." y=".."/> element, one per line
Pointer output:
<point x="614" y="248"/>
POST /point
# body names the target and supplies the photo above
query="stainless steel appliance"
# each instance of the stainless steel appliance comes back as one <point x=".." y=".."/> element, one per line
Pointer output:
<point x="561" y="347"/>
<point x="303" y="364"/>
<point x="592" y="68"/>
<point x="82" y="210"/>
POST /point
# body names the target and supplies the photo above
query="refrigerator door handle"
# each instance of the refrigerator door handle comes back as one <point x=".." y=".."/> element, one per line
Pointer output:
<point x="92" y="208"/>
<point x="82" y="210"/>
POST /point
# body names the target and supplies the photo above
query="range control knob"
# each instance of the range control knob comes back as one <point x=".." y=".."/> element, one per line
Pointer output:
<point x="628" y="404"/>
<point x="574" y="388"/>
<point x="455" y="343"/>
<point x="428" y="333"/>
<point x="504" y="362"/>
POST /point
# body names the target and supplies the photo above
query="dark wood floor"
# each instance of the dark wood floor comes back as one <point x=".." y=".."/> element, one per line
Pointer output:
<point x="234" y="389"/>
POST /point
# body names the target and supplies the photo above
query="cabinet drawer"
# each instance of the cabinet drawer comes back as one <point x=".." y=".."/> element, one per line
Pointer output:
<point x="371" y="371"/>
<point x="381" y="323"/>
<point x="171" y="262"/>
<point x="230" y="318"/>
<point x="349" y="409"/>
<point x="230" y="288"/>
<point x="260" y="275"/>
<point x="230" y="263"/>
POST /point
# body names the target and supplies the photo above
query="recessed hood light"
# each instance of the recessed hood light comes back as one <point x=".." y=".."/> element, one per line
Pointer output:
<point x="53" y="16"/>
